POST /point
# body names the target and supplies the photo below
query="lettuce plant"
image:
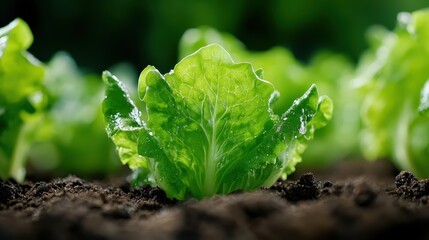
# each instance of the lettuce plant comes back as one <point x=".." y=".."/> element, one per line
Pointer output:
<point x="332" y="73"/>
<point x="209" y="128"/>
<point x="21" y="97"/>
<point x="392" y="76"/>
<point x="71" y="137"/>
<point x="49" y="114"/>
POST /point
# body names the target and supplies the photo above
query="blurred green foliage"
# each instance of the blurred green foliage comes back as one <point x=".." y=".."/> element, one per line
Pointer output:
<point x="392" y="76"/>
<point x="21" y="97"/>
<point x="71" y="137"/>
<point x="50" y="113"/>
<point x="99" y="33"/>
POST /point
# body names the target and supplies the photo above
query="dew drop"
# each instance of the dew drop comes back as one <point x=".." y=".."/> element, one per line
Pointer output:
<point x="302" y="128"/>
<point x="303" y="120"/>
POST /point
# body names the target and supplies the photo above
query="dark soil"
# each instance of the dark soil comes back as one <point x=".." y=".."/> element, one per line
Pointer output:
<point x="353" y="200"/>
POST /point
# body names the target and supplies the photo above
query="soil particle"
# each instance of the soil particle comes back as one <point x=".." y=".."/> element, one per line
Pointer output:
<point x="409" y="187"/>
<point x="8" y="191"/>
<point x="358" y="206"/>
<point x="305" y="188"/>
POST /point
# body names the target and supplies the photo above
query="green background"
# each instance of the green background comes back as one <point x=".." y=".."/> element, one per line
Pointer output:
<point x="99" y="33"/>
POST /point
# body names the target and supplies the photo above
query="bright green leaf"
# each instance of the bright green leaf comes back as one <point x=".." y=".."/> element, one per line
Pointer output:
<point x="123" y="123"/>
<point x="330" y="72"/>
<point x="210" y="129"/>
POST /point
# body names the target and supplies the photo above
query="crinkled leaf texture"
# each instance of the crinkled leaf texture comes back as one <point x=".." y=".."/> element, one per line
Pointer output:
<point x="21" y="77"/>
<point x="330" y="72"/>
<point x="210" y="129"/>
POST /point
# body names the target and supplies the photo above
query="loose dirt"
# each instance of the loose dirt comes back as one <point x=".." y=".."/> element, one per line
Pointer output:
<point x="353" y="200"/>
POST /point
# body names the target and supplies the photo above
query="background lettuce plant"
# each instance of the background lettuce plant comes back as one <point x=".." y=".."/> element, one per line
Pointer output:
<point x="392" y="77"/>
<point x="71" y="137"/>
<point x="21" y="98"/>
<point x="49" y="114"/>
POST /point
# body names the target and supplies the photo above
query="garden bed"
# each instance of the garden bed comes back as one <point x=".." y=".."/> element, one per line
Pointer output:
<point x="353" y="200"/>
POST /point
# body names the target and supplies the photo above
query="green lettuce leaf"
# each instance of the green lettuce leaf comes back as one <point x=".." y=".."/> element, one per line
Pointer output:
<point x="21" y="97"/>
<point x="210" y="128"/>
<point x="291" y="78"/>
<point x="392" y="75"/>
